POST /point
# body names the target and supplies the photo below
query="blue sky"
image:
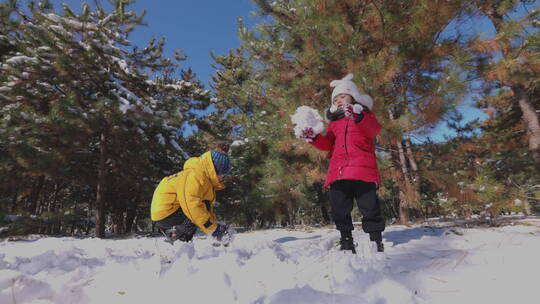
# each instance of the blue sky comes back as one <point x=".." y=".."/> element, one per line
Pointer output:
<point x="194" y="26"/>
<point x="200" y="26"/>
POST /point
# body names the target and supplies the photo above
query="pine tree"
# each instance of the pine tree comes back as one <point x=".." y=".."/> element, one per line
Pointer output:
<point x="239" y="117"/>
<point x="397" y="54"/>
<point x="79" y="101"/>
<point x="516" y="43"/>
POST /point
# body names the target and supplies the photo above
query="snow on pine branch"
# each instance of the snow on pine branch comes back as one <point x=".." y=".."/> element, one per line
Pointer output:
<point x="179" y="149"/>
<point x="179" y="85"/>
<point x="122" y="64"/>
<point x="74" y="24"/>
<point x="305" y="117"/>
<point x="130" y="99"/>
<point x="21" y="59"/>
<point x="161" y="139"/>
<point x="95" y="27"/>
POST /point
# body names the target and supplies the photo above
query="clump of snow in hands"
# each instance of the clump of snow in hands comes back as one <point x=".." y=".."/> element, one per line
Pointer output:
<point x="307" y="117"/>
<point x="420" y="265"/>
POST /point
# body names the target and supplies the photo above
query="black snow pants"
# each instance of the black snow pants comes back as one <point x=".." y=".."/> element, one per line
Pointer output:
<point x="184" y="229"/>
<point x="342" y="194"/>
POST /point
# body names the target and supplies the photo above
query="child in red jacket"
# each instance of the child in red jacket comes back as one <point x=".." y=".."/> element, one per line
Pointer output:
<point x="353" y="172"/>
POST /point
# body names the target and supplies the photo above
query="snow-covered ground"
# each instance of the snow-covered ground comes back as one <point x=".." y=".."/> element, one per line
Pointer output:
<point x="420" y="265"/>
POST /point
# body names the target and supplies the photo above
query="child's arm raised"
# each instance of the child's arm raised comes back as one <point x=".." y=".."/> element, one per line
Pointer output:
<point x="324" y="142"/>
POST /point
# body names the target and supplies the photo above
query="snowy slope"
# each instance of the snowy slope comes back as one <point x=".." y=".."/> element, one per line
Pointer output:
<point x="420" y="265"/>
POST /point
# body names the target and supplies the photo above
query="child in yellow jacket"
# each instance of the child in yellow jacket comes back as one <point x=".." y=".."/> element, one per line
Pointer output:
<point x="185" y="201"/>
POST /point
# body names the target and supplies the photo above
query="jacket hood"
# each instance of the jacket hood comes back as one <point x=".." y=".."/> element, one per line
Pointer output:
<point x="205" y="165"/>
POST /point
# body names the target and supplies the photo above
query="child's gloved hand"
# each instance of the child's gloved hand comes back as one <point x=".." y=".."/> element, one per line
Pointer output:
<point x="353" y="110"/>
<point x="307" y="134"/>
<point x="223" y="234"/>
<point x="221" y="231"/>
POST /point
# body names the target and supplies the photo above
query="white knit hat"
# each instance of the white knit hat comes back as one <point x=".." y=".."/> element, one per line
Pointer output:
<point x="346" y="86"/>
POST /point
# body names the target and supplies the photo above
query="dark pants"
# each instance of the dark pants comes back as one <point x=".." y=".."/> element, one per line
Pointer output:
<point x="342" y="194"/>
<point x="174" y="219"/>
<point x="184" y="228"/>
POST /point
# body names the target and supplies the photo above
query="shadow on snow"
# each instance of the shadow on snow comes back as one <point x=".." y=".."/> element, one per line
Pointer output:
<point x="398" y="237"/>
<point x="292" y="238"/>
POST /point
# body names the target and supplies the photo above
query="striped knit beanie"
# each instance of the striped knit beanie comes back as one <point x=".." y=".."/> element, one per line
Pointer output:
<point x="221" y="162"/>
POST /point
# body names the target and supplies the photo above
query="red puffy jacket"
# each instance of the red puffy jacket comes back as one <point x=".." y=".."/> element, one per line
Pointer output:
<point x="352" y="149"/>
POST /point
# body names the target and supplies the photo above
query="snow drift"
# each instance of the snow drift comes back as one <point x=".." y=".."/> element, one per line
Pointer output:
<point x="420" y="265"/>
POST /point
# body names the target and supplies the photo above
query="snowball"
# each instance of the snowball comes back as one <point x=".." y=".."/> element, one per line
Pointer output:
<point x="307" y="117"/>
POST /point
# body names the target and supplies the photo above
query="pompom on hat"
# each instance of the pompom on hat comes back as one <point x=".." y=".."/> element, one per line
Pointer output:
<point x="346" y="86"/>
<point x="221" y="162"/>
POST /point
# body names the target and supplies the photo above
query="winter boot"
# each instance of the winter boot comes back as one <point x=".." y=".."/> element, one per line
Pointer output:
<point x="347" y="244"/>
<point x="183" y="232"/>
<point x="380" y="246"/>
<point x="377" y="238"/>
<point x="169" y="234"/>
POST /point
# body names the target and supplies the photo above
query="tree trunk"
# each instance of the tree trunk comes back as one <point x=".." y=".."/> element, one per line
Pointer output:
<point x="324" y="212"/>
<point x="412" y="161"/>
<point x="404" y="190"/>
<point x="34" y="196"/>
<point x="292" y="216"/>
<point x="402" y="183"/>
<point x="402" y="159"/>
<point x="395" y="208"/>
<point x="100" y="192"/>
<point x="415" y="176"/>
<point x="130" y="221"/>
<point x="118" y="221"/>
<point x="136" y="223"/>
<point x="322" y="200"/>
<point x="532" y="126"/>
<point x="54" y="208"/>
<point x="403" y="208"/>
<point x="60" y="223"/>
<point x="45" y="201"/>
<point x="248" y="219"/>
<point x="14" y="201"/>
<point x="131" y="212"/>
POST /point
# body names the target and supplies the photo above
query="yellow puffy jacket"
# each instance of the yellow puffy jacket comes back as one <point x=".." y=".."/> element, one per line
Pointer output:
<point x="188" y="189"/>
